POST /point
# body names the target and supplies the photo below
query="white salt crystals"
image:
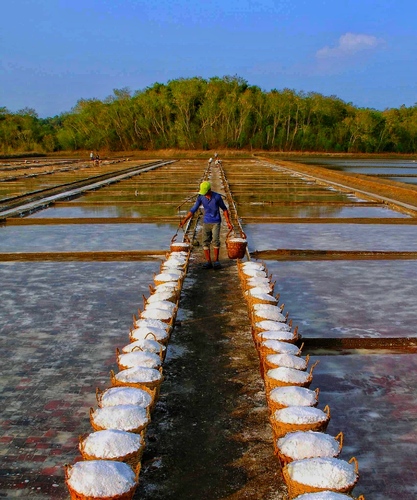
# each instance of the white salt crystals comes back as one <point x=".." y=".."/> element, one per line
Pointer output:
<point x="139" y="358"/>
<point x="124" y="395"/>
<point x="281" y="347"/>
<point x="300" y="415"/>
<point x="100" y="478"/>
<point x="287" y="361"/>
<point x="308" y="444"/>
<point x="288" y="375"/>
<point x="123" y="417"/>
<point x="110" y="444"/>
<point x="293" y="396"/>
<point x="326" y="473"/>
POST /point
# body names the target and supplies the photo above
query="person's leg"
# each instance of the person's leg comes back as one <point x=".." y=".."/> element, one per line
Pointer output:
<point x="207" y="237"/>
<point x="216" y="245"/>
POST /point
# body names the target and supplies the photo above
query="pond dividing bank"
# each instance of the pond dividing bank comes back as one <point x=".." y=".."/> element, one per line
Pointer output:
<point x="209" y="436"/>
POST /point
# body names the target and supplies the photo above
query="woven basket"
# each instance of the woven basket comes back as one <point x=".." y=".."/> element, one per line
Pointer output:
<point x="295" y="489"/>
<point x="285" y="459"/>
<point x="75" y="495"/>
<point x="236" y="249"/>
<point x="281" y="428"/>
<point x="274" y="406"/>
<point x="178" y="246"/>
<point x="133" y="459"/>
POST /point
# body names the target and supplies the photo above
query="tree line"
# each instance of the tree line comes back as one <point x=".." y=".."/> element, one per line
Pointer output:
<point x="227" y="112"/>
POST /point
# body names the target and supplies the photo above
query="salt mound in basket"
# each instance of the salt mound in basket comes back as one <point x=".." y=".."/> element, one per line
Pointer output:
<point x="152" y="323"/>
<point x="101" y="479"/>
<point x="129" y="418"/>
<point x="253" y="272"/>
<point x="299" y="418"/>
<point x="291" y="395"/>
<point x="258" y="295"/>
<point x="138" y="358"/>
<point x="146" y="344"/>
<point x="125" y="396"/>
<point x="308" y="444"/>
<point x="139" y="377"/>
<point x="268" y="312"/>
<point x="160" y="314"/>
<point x="169" y="294"/>
<point x="281" y="376"/>
<point x="162" y="304"/>
<point x="113" y="444"/>
<point x="285" y="335"/>
<point x="165" y="277"/>
<point x="326" y="495"/>
<point x="149" y="332"/>
<point x="286" y="361"/>
<point x="276" y="347"/>
<point x="312" y="475"/>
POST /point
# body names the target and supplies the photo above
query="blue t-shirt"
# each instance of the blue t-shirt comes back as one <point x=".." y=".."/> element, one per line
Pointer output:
<point x="211" y="207"/>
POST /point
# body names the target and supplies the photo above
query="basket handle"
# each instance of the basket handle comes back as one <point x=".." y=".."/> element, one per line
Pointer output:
<point x="307" y="359"/>
<point x="361" y="497"/>
<point x="137" y="348"/>
<point x="81" y="444"/>
<point x="117" y="352"/>
<point x="67" y="469"/>
<point x="313" y="366"/>
<point x="301" y="348"/>
<point x="99" y="395"/>
<point x="150" y="333"/>
<point x="339" y="438"/>
<point x="355" y="461"/>
<point x="317" y="391"/>
<point x="326" y="409"/>
<point x="112" y="376"/>
<point x="91" y="411"/>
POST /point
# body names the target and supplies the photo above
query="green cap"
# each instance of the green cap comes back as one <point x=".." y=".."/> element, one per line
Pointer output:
<point x="204" y="187"/>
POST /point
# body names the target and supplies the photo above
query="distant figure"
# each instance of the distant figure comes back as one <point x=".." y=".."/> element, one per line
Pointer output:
<point x="97" y="160"/>
<point x="215" y="155"/>
<point x="210" y="161"/>
<point x="136" y="193"/>
<point x="92" y="156"/>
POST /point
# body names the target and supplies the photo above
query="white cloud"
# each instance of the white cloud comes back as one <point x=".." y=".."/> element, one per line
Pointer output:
<point x="349" y="44"/>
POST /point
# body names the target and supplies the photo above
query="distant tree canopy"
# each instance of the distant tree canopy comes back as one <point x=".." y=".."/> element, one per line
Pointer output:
<point x="227" y="112"/>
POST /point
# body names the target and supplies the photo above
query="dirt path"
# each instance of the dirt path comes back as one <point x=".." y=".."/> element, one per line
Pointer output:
<point x="210" y="437"/>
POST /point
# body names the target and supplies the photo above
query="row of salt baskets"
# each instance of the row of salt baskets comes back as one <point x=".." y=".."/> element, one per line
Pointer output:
<point x="112" y="453"/>
<point x="309" y="457"/>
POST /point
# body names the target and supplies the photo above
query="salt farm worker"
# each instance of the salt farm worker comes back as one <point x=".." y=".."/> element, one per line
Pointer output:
<point x="212" y="202"/>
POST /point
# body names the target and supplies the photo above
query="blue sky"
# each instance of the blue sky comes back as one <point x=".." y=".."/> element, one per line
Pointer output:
<point x="55" y="52"/>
